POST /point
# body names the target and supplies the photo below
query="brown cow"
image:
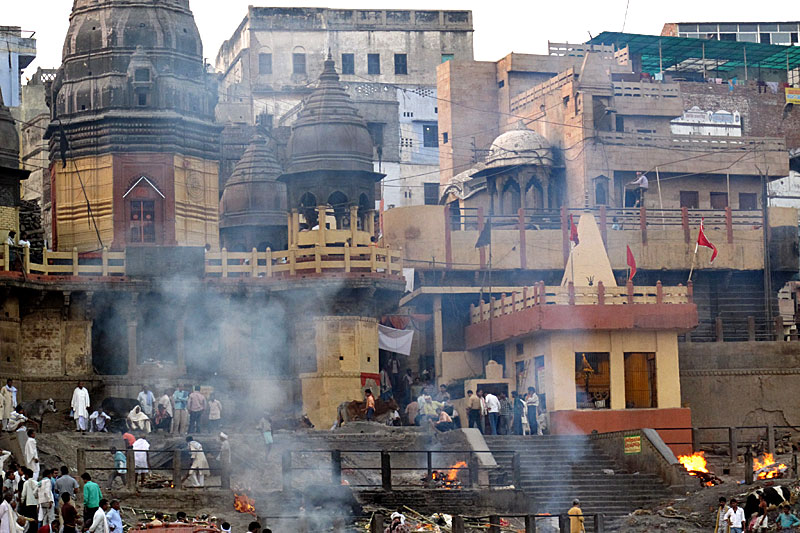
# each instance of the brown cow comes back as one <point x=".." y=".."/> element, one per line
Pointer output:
<point x="357" y="410"/>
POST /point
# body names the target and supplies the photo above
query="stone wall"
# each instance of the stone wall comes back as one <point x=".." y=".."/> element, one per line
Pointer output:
<point x="741" y="383"/>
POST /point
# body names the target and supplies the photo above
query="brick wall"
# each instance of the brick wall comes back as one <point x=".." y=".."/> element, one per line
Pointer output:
<point x="762" y="113"/>
<point x="50" y="345"/>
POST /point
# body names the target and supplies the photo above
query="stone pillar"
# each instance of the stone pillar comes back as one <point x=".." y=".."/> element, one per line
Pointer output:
<point x="617" y="366"/>
<point x="438" y="335"/>
<point x="180" y="345"/>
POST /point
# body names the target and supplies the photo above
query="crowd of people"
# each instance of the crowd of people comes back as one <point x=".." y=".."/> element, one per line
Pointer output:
<point x="730" y="517"/>
<point x="175" y="411"/>
<point x="521" y="414"/>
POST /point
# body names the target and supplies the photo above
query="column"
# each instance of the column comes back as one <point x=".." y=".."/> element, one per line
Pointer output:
<point x="438" y="334"/>
<point x="180" y="345"/>
<point x="668" y="381"/>
<point x="616" y="364"/>
<point x="132" y="316"/>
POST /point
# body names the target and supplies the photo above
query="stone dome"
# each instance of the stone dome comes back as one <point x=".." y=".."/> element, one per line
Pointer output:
<point x="329" y="134"/>
<point x="519" y="147"/>
<point x="252" y="195"/>
<point x="9" y="139"/>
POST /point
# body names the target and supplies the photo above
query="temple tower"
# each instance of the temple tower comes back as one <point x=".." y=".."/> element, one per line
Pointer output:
<point x="133" y="144"/>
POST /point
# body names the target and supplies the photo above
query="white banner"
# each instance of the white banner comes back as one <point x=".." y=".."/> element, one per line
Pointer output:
<point x="395" y="340"/>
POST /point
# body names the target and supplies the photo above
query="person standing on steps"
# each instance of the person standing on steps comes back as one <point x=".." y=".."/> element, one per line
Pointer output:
<point x="532" y="405"/>
<point x="80" y="407"/>
<point x="196" y="405"/>
<point x="576" y="518"/>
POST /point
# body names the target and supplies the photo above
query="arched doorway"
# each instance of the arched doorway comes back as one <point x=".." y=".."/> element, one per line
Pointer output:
<point x="510" y="200"/>
<point x="339" y="202"/>
<point x="534" y="194"/>
<point x="308" y="211"/>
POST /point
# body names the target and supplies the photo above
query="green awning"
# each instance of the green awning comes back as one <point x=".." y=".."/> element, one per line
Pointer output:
<point x="687" y="54"/>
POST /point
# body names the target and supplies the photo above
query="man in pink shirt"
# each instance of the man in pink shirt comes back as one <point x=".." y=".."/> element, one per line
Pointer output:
<point x="196" y="405"/>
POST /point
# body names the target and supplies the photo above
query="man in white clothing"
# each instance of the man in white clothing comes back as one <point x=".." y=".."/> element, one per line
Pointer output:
<point x="199" y="467"/>
<point x="98" y="421"/>
<point x="140" y="457"/>
<point x="99" y="520"/>
<point x="493" y="409"/>
<point x="32" y="454"/>
<point x="80" y="407"/>
<point x="735" y="517"/>
<point x="147" y="401"/>
<point x="44" y="495"/>
<point x="7" y="514"/>
<point x="9" y="397"/>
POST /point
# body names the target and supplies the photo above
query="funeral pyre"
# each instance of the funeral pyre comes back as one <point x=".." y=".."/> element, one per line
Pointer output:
<point x="765" y="467"/>
<point x="697" y="466"/>
<point x="445" y="479"/>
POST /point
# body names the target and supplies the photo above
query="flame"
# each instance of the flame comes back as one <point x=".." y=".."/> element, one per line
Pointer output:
<point x="452" y="474"/>
<point x="244" y="504"/>
<point x="694" y="463"/>
<point x="768" y="462"/>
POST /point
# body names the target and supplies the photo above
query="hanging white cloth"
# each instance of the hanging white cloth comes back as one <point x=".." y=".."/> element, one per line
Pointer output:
<point x="395" y="340"/>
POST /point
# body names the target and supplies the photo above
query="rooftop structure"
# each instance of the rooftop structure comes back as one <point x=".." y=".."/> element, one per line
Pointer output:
<point x="17" y="50"/>
<point x="783" y="33"/>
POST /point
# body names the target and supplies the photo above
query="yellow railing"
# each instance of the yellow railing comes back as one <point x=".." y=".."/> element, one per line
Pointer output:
<point x="222" y="264"/>
<point x="314" y="260"/>
<point x="540" y="294"/>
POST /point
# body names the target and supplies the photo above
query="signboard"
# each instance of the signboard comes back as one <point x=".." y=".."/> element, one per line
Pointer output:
<point x="633" y="444"/>
<point x="792" y="95"/>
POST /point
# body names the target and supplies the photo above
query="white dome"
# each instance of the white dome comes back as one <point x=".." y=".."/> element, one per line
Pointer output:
<point x="519" y="147"/>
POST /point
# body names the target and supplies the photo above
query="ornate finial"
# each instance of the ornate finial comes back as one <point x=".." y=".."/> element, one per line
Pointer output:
<point x="330" y="57"/>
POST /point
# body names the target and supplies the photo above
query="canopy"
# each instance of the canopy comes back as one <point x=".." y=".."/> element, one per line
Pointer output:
<point x="688" y="54"/>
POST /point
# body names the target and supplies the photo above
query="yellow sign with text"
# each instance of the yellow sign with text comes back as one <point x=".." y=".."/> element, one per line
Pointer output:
<point x="792" y="95"/>
<point x="633" y="444"/>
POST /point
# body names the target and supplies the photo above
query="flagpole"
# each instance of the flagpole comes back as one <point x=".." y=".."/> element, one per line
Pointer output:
<point x="694" y="257"/>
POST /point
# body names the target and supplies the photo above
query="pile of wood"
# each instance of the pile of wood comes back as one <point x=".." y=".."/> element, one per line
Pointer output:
<point x="30" y="227"/>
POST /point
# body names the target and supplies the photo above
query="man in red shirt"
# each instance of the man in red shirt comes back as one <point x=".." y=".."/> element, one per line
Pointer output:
<point x="68" y="514"/>
<point x="196" y="404"/>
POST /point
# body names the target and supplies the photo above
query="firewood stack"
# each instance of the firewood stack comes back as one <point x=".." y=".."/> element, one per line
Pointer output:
<point x="30" y="227"/>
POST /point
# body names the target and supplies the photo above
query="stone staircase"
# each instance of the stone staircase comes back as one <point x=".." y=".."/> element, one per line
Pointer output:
<point x="555" y="469"/>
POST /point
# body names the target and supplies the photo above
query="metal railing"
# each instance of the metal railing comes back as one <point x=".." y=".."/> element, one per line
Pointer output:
<point x="390" y="469"/>
<point x="748" y="329"/>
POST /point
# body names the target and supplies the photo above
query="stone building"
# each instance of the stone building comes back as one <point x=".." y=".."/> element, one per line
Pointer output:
<point x="17" y="50"/>
<point x="133" y="115"/>
<point x="387" y="62"/>
<point x="564" y="134"/>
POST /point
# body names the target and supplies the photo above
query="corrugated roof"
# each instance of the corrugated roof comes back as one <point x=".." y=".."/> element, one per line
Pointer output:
<point x="685" y="53"/>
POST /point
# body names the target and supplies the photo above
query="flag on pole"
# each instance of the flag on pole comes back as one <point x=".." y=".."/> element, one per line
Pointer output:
<point x="631" y="263"/>
<point x="702" y="240"/>
<point x="485" y="237"/>
<point x="573" y="231"/>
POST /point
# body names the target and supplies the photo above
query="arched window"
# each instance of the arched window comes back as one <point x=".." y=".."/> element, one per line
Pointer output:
<point x="601" y="190"/>
<point x="510" y="200"/>
<point x="534" y="195"/>
<point x="308" y="210"/>
<point x="299" y="60"/>
<point x="144" y="206"/>
<point x="339" y="202"/>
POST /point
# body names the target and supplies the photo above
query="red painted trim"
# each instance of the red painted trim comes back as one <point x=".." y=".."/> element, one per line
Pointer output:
<point x="368" y="375"/>
<point x="53" y="207"/>
<point x="685" y="223"/>
<point x="448" y="247"/>
<point x="531" y="320"/>
<point x="673" y="424"/>
<point x="523" y="248"/>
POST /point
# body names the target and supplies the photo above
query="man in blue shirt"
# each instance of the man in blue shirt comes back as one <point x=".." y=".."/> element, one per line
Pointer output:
<point x="114" y="519"/>
<point x="120" y="468"/>
<point x="786" y="520"/>
<point x="180" y="418"/>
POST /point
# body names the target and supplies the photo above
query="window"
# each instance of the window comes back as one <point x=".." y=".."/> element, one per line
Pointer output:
<point x="400" y="64"/>
<point x="719" y="200"/>
<point x="141" y="97"/>
<point x="373" y="63"/>
<point x="640" y="381"/>
<point x="431" y="193"/>
<point x="376" y="132"/>
<point x="348" y="64"/>
<point x="265" y="63"/>
<point x="298" y="63"/>
<point x="765" y="38"/>
<point x="142" y="223"/>
<point x="446" y="57"/>
<point x="444" y="138"/>
<point x="593" y="380"/>
<point x="601" y="190"/>
<point x="748" y="200"/>
<point x="690" y="199"/>
<point x="620" y="124"/>
<point x="430" y="135"/>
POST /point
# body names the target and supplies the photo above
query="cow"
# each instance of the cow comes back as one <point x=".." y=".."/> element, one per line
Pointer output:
<point x="290" y="422"/>
<point x="35" y="409"/>
<point x="774" y="496"/>
<point x="356" y="410"/>
<point x="118" y="409"/>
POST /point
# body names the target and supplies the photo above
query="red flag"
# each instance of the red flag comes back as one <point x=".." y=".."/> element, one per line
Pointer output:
<point x="631" y="263"/>
<point x="573" y="231"/>
<point x="703" y="241"/>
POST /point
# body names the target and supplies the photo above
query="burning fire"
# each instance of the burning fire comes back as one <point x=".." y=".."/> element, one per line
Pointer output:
<point x="452" y="474"/>
<point x="244" y="504"/>
<point x="694" y="463"/>
<point x="768" y="468"/>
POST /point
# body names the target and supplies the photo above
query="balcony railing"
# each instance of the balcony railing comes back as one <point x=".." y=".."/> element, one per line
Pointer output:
<point x="540" y="295"/>
<point x="221" y="264"/>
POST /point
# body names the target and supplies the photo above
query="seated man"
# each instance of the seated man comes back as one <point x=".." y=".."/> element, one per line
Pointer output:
<point x="445" y="423"/>
<point x="98" y="421"/>
<point x="17" y="419"/>
<point x="162" y="419"/>
<point x="137" y="420"/>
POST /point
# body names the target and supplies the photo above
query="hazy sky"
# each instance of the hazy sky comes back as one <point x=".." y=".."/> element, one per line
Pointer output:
<point x="500" y="26"/>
